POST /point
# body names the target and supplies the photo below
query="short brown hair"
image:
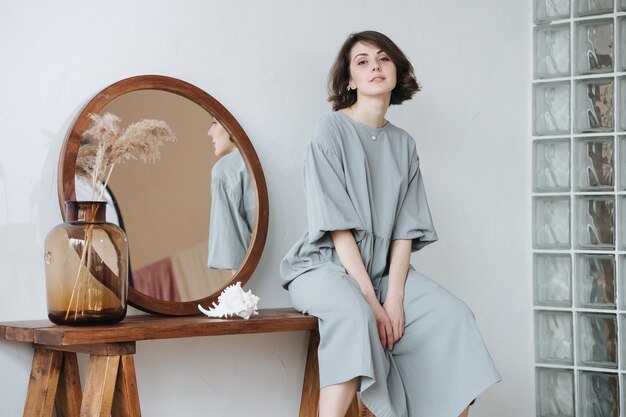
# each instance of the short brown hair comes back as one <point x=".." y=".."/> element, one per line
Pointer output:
<point x="339" y="75"/>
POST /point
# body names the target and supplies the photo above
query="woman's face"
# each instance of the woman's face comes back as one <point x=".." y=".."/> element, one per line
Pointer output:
<point x="221" y="139"/>
<point x="371" y="70"/>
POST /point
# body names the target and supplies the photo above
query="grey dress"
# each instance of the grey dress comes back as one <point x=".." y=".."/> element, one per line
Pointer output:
<point x="232" y="212"/>
<point x="374" y="188"/>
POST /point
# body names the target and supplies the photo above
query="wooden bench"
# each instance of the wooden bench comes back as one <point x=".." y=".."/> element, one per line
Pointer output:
<point x="111" y="385"/>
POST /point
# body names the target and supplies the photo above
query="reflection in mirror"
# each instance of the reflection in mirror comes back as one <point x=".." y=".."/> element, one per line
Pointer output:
<point x="232" y="203"/>
<point x="169" y="211"/>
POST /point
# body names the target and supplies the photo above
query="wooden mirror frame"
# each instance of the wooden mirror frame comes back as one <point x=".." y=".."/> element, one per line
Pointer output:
<point x="67" y="167"/>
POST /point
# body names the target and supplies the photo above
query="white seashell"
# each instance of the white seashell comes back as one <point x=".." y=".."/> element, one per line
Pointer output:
<point x="233" y="301"/>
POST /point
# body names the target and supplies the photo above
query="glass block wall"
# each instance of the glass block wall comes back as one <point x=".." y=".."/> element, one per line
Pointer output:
<point x="579" y="207"/>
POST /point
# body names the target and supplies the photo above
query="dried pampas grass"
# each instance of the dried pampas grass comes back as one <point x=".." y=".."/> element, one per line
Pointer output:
<point x="107" y="145"/>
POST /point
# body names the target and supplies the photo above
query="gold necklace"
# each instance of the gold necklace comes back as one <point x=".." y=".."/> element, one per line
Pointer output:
<point x="373" y="136"/>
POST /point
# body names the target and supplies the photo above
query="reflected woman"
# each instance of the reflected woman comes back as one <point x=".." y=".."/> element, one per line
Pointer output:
<point x="407" y="344"/>
<point x="232" y="203"/>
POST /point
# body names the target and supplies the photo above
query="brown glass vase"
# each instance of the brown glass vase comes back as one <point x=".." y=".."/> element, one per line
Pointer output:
<point x="86" y="267"/>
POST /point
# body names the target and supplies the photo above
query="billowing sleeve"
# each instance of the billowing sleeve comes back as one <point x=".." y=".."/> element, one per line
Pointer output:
<point x="413" y="219"/>
<point x="328" y="202"/>
<point x="229" y="233"/>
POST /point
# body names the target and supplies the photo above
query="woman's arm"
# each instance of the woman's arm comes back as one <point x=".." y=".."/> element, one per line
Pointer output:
<point x="398" y="270"/>
<point x="398" y="267"/>
<point x="350" y="258"/>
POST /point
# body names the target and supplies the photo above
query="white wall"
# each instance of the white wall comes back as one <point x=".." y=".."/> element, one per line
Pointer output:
<point x="267" y="63"/>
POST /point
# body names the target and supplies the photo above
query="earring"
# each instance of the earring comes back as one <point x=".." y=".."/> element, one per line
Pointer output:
<point x="349" y="87"/>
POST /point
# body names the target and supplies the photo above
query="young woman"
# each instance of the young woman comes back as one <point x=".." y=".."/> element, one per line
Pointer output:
<point x="232" y="204"/>
<point x="410" y="346"/>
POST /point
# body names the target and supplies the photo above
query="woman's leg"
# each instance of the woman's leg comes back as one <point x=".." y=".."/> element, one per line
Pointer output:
<point x="441" y="358"/>
<point x="335" y="399"/>
<point x="349" y="347"/>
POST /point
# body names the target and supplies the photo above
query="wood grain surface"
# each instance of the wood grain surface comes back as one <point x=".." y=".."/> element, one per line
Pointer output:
<point x="151" y="327"/>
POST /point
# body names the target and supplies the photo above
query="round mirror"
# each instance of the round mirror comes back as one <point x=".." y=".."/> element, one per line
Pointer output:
<point x="196" y="219"/>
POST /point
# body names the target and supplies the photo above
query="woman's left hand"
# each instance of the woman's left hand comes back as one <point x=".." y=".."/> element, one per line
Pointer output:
<point x="395" y="310"/>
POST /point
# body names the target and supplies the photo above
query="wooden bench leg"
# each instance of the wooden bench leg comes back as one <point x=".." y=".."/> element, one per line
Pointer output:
<point x="100" y="386"/>
<point x="42" y="387"/>
<point x="309" y="402"/>
<point x="126" y="398"/>
<point x="69" y="394"/>
<point x="111" y="386"/>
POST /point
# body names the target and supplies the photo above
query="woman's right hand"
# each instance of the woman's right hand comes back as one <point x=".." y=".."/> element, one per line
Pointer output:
<point x="383" y="322"/>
